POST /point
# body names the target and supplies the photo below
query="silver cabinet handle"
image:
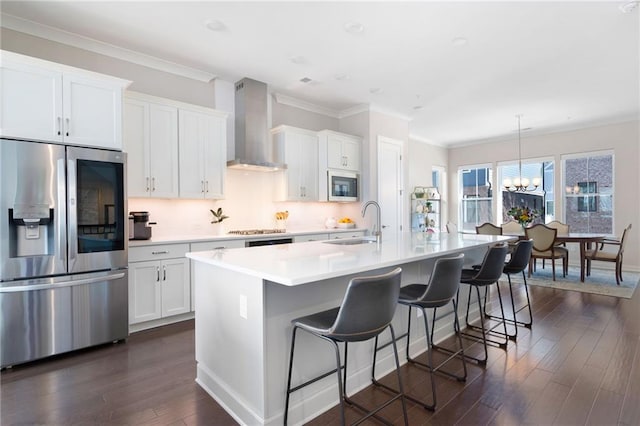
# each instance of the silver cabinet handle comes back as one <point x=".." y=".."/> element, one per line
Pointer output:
<point x="147" y="190"/>
<point x="160" y="252"/>
<point x="206" y="183"/>
<point x="157" y="274"/>
<point x="153" y="184"/>
<point x="59" y="127"/>
<point x="202" y="186"/>
<point x="67" y="133"/>
<point x="164" y="273"/>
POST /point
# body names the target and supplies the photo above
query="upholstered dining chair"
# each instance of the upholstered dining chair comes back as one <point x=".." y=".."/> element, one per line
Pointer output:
<point x="544" y="247"/>
<point x="599" y="253"/>
<point x="488" y="228"/>
<point x="562" y="228"/>
<point x="511" y="228"/>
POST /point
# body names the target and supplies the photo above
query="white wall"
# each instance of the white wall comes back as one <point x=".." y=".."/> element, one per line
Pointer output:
<point x="622" y="138"/>
<point x="145" y="80"/>
<point x="421" y="159"/>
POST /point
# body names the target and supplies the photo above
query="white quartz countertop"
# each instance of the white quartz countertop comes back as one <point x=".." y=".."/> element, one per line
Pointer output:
<point x="295" y="264"/>
<point x="176" y="239"/>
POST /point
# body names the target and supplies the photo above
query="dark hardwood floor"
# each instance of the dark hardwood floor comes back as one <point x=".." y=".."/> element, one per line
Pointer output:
<point x="580" y="364"/>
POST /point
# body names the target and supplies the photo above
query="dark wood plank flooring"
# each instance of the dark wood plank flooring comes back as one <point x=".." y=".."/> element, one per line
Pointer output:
<point x="579" y="364"/>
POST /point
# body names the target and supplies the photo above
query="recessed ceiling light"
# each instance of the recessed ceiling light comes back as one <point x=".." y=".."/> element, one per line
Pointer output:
<point x="298" y="60"/>
<point x="341" y="76"/>
<point x="354" y="27"/>
<point x="375" y="90"/>
<point x="628" y="7"/>
<point x="417" y="107"/>
<point x="305" y="80"/>
<point x="459" y="41"/>
<point x="214" y="25"/>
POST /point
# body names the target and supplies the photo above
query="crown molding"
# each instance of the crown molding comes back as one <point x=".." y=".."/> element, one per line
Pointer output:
<point x="50" y="33"/>
<point x="307" y="106"/>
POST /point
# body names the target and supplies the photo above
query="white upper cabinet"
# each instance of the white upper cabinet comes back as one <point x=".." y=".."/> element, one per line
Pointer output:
<point x="203" y="153"/>
<point x="298" y="149"/>
<point x="339" y="151"/>
<point x="151" y="143"/>
<point x="46" y="101"/>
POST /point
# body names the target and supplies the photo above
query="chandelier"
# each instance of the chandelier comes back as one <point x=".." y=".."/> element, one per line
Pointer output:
<point x="520" y="184"/>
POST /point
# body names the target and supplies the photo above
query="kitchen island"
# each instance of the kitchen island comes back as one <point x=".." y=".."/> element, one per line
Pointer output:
<point x="246" y="298"/>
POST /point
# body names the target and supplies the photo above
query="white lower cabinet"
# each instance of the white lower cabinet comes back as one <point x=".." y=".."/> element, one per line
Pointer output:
<point x="352" y="234"/>
<point x="159" y="282"/>
<point x="310" y="237"/>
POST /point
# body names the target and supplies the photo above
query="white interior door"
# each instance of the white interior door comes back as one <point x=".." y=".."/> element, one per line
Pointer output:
<point x="390" y="184"/>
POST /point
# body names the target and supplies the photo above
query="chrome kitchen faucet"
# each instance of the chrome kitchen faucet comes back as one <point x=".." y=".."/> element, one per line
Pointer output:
<point x="377" y="230"/>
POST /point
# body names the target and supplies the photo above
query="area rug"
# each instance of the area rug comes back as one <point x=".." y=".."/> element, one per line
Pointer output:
<point x="600" y="281"/>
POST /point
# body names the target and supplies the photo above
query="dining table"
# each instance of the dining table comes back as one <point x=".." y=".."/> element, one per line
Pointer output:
<point x="583" y="239"/>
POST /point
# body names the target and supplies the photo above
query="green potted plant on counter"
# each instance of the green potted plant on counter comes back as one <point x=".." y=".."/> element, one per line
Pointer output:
<point x="218" y="217"/>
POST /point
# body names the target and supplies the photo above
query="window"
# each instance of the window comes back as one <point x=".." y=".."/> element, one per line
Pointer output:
<point x="476" y="197"/>
<point x="587" y="203"/>
<point x="588" y="198"/>
<point x="540" y="199"/>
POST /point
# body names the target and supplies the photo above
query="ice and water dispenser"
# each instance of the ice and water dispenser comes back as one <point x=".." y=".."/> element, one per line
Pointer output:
<point x="31" y="230"/>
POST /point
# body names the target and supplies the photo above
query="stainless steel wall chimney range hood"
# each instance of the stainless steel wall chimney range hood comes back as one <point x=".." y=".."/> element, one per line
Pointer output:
<point x="254" y="150"/>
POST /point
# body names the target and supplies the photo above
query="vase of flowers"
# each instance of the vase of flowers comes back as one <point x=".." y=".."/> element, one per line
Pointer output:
<point x="218" y="217"/>
<point x="523" y="215"/>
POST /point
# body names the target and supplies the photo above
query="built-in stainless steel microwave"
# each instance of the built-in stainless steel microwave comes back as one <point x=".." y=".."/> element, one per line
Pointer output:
<point x="343" y="186"/>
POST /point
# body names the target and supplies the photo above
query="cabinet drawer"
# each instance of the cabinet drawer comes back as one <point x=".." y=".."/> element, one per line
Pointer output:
<point x="212" y="245"/>
<point x="159" y="252"/>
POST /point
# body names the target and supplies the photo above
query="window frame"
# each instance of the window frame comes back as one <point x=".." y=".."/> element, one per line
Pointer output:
<point x="563" y="186"/>
<point x="492" y="183"/>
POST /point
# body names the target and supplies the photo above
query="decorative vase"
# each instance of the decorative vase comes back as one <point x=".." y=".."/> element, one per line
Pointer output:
<point x="219" y="229"/>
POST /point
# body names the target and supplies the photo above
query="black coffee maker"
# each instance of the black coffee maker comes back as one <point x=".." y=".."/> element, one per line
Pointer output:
<point x="139" y="221"/>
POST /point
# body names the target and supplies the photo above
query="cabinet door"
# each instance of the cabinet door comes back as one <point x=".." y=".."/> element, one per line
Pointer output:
<point x="215" y="156"/>
<point x="163" y="155"/>
<point x="92" y="112"/>
<point x="31" y="102"/>
<point x="176" y="288"/>
<point x="144" y="291"/>
<point x="351" y="153"/>
<point x="335" y="159"/>
<point x="136" y="145"/>
<point x="308" y="170"/>
<point x="203" y="155"/>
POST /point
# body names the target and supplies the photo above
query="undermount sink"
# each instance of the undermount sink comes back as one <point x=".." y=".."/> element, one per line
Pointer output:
<point x="351" y="241"/>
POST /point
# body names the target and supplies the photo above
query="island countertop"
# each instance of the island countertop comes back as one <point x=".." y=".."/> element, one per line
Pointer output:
<point x="301" y="263"/>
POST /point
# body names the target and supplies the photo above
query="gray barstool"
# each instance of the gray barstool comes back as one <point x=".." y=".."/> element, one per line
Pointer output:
<point x="366" y="311"/>
<point x="517" y="264"/>
<point x="487" y="274"/>
<point x="442" y="288"/>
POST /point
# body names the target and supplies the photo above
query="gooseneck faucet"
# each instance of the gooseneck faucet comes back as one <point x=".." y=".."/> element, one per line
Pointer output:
<point x="377" y="231"/>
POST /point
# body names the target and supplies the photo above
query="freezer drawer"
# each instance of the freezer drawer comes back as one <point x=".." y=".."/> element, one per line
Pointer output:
<point x="39" y="318"/>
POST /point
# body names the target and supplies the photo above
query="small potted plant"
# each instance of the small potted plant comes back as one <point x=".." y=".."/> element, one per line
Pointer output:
<point x="218" y="217"/>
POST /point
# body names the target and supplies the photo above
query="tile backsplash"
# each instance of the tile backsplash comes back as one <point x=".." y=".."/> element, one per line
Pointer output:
<point x="249" y="203"/>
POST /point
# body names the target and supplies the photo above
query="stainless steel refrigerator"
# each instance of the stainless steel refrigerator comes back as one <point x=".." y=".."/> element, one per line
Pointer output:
<point x="63" y="249"/>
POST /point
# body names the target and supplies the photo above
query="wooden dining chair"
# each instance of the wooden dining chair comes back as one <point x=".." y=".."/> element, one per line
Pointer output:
<point x="511" y="228"/>
<point x="488" y="228"/>
<point x="599" y="253"/>
<point x="544" y="247"/>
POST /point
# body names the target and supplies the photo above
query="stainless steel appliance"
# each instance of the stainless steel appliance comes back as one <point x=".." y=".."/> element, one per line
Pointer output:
<point x="63" y="251"/>
<point x="342" y="186"/>
<point x="141" y="228"/>
<point x="263" y="241"/>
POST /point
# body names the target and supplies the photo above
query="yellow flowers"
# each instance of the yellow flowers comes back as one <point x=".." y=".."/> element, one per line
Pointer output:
<point x="345" y="220"/>
<point x="282" y="215"/>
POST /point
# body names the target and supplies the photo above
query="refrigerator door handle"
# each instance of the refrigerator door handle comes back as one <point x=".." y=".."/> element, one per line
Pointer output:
<point x="61" y="219"/>
<point x="47" y="286"/>
<point x="72" y="212"/>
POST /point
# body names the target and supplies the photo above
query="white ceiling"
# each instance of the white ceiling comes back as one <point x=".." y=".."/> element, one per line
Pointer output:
<point x="560" y="64"/>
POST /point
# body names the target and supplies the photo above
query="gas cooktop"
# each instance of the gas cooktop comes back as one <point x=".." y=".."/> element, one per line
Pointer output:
<point x="257" y="231"/>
